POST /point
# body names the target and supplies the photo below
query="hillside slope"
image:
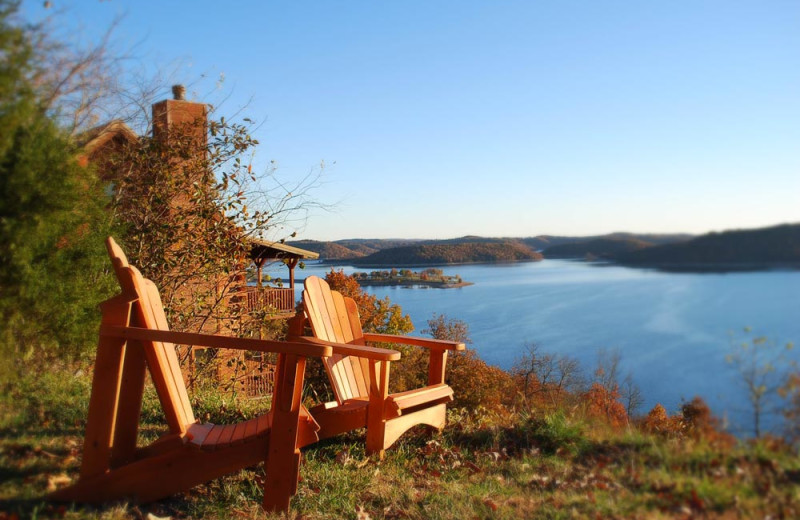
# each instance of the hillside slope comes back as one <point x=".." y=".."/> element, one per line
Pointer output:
<point x="462" y="253"/>
<point x="328" y="250"/>
<point x="603" y="248"/>
<point x="777" y="246"/>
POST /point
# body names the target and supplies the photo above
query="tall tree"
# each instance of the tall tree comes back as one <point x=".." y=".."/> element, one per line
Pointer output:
<point x="52" y="218"/>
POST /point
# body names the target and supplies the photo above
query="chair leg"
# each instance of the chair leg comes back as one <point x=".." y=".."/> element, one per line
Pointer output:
<point x="283" y="456"/>
<point x="376" y="422"/>
<point x="283" y="472"/>
<point x="376" y="439"/>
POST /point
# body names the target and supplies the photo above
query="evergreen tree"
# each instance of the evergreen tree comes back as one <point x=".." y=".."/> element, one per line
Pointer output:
<point x="52" y="220"/>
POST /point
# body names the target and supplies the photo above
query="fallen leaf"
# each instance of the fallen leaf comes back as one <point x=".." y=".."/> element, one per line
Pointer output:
<point x="56" y="481"/>
<point x="494" y="456"/>
<point x="361" y="514"/>
<point x="696" y="502"/>
<point x="151" y="516"/>
<point x="343" y="457"/>
<point x="491" y="504"/>
<point x="539" y="481"/>
<point x="472" y="467"/>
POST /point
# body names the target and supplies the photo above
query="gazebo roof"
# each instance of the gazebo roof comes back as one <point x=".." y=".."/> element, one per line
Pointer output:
<point x="264" y="250"/>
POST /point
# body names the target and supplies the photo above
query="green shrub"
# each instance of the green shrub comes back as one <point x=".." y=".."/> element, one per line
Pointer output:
<point x="554" y="433"/>
<point x="46" y="397"/>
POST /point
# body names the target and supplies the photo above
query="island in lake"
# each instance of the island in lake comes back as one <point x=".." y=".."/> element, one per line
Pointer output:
<point x="431" y="277"/>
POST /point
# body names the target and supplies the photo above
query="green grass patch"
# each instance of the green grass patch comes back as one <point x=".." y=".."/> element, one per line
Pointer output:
<point x="482" y="466"/>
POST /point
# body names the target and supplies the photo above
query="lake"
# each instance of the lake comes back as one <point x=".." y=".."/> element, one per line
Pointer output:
<point x="673" y="330"/>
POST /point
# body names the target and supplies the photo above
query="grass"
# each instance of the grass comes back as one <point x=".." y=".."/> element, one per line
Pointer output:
<point x="483" y="466"/>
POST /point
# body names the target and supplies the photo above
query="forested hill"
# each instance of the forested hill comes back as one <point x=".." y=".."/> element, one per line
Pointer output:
<point x="454" y="253"/>
<point x="600" y="248"/>
<point x="328" y="249"/>
<point x="545" y="242"/>
<point x="361" y="247"/>
<point x="777" y="246"/>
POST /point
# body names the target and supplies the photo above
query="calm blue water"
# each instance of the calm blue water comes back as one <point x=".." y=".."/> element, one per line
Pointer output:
<point x="673" y="330"/>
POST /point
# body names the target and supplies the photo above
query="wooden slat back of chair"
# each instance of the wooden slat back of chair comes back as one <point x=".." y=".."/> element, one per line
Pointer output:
<point x="334" y="317"/>
<point x="162" y="359"/>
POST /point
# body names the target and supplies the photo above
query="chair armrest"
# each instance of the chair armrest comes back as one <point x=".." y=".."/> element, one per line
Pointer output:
<point x="433" y="344"/>
<point x="215" y="341"/>
<point x="347" y="349"/>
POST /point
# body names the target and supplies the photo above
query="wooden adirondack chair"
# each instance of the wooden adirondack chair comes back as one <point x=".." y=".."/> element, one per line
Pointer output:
<point x="359" y="374"/>
<point x="134" y="338"/>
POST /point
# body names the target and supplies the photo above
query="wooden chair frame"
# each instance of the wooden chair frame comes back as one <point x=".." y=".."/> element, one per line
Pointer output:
<point x="359" y="374"/>
<point x="134" y="339"/>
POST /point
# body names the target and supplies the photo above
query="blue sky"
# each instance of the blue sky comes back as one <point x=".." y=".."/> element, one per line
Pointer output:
<point x="439" y="118"/>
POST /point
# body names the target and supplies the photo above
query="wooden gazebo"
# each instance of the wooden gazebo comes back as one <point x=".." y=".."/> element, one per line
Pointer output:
<point x="280" y="298"/>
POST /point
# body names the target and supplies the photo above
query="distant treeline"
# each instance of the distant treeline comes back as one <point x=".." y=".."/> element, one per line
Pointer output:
<point x="777" y="246"/>
<point x="451" y="254"/>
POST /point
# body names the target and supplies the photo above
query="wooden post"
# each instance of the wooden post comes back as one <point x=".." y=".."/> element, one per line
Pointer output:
<point x="378" y="392"/>
<point x="129" y="410"/>
<point x="259" y="264"/>
<point x="292" y="264"/>
<point x="438" y="360"/>
<point x="106" y="383"/>
<point x="283" y="460"/>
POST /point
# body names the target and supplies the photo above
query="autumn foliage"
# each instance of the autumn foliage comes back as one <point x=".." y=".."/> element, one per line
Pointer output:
<point x="379" y="316"/>
<point x="603" y="403"/>
<point x="659" y="422"/>
<point x="694" y="421"/>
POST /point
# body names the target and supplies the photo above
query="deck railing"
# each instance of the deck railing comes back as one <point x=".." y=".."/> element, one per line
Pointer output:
<point x="265" y="297"/>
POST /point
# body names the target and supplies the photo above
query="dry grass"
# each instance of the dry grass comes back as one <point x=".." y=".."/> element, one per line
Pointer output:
<point x="483" y="466"/>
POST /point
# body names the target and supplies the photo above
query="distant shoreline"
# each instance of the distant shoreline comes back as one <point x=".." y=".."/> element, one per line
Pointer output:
<point x="410" y="283"/>
<point x="698" y="268"/>
<point x="349" y="261"/>
<point x="712" y="268"/>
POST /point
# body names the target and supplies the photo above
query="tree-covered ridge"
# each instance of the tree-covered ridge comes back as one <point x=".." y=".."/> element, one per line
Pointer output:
<point x="328" y="249"/>
<point x="601" y="248"/>
<point x="346" y="249"/>
<point x="777" y="246"/>
<point x="472" y="252"/>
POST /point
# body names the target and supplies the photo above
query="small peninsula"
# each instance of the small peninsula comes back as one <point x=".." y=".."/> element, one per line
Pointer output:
<point x="431" y="277"/>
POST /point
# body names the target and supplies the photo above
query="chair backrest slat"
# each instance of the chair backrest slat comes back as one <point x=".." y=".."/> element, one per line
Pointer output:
<point x="162" y="359"/>
<point x="172" y="365"/>
<point x="334" y="318"/>
<point x="360" y="375"/>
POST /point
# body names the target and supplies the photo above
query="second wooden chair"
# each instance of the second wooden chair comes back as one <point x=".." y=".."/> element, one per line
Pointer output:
<point x="359" y="374"/>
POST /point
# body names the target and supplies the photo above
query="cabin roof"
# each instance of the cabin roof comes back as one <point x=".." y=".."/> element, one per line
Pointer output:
<point x="264" y="249"/>
<point x="98" y="136"/>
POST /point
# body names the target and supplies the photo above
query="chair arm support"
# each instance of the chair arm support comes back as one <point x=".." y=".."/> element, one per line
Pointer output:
<point x="347" y="349"/>
<point x="215" y="341"/>
<point x="432" y="344"/>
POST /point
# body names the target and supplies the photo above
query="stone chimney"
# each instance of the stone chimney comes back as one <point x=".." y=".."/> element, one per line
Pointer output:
<point x="179" y="115"/>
